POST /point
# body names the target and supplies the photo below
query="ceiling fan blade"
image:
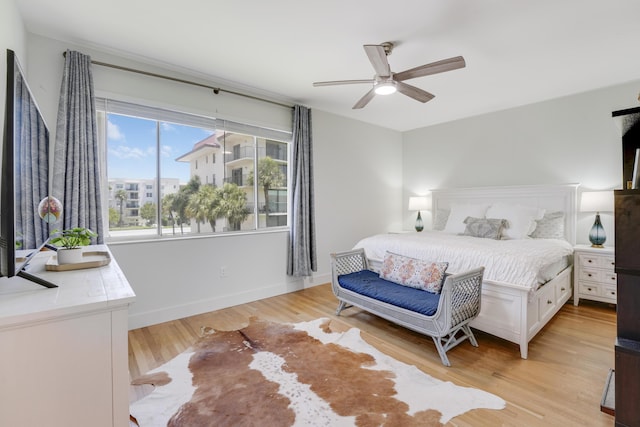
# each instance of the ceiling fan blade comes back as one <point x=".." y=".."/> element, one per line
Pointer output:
<point x="378" y="59"/>
<point x="432" y="68"/>
<point x="365" y="99"/>
<point x="414" y="92"/>
<point x="342" y="82"/>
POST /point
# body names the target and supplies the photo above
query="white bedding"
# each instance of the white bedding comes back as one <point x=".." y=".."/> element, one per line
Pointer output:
<point x="523" y="262"/>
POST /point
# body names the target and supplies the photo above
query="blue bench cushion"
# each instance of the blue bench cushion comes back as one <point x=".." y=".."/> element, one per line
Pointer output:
<point x="369" y="283"/>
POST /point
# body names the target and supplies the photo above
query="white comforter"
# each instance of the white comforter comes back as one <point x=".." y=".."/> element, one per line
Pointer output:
<point x="522" y="262"/>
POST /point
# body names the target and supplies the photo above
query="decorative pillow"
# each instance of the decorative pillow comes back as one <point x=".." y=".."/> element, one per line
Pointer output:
<point x="440" y="221"/>
<point x="413" y="272"/>
<point x="460" y="212"/>
<point x="551" y="226"/>
<point x="521" y="219"/>
<point x="488" y="228"/>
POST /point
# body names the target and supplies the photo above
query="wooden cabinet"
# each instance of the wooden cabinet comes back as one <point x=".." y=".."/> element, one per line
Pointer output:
<point x="63" y="351"/>
<point x="627" y="254"/>
<point x="594" y="274"/>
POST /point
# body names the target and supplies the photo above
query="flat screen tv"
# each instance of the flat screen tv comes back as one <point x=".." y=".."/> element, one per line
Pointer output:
<point x="24" y="178"/>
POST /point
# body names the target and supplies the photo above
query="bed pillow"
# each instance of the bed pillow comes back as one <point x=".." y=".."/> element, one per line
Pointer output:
<point x="459" y="212"/>
<point x="521" y="219"/>
<point x="487" y="228"/>
<point x="412" y="272"/>
<point x="551" y="226"/>
<point x="440" y="220"/>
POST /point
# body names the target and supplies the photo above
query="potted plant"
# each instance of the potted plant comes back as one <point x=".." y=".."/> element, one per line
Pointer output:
<point x="70" y="243"/>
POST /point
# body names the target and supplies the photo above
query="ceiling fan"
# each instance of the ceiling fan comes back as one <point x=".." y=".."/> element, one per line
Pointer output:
<point x="386" y="82"/>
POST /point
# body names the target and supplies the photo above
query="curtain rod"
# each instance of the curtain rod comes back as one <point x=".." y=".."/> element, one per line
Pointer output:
<point x="216" y="90"/>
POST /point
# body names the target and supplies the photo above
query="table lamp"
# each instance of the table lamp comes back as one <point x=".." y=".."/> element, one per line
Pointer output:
<point x="597" y="201"/>
<point x="418" y="203"/>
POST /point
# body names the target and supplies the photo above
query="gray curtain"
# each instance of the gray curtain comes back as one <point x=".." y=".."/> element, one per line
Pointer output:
<point x="76" y="168"/>
<point x="302" y="241"/>
<point x="32" y="168"/>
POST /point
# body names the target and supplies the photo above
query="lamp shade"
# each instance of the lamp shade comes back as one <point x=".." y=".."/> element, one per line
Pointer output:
<point x="418" y="204"/>
<point x="596" y="201"/>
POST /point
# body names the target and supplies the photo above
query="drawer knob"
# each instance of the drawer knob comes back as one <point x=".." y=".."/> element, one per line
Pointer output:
<point x="562" y="289"/>
<point x="589" y="274"/>
<point x="549" y="301"/>
<point x="589" y="289"/>
<point x="613" y="292"/>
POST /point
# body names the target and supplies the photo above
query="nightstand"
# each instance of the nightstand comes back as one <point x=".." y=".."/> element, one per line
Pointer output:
<point x="594" y="276"/>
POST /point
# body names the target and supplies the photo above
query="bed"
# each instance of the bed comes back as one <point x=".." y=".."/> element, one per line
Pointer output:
<point x="527" y="277"/>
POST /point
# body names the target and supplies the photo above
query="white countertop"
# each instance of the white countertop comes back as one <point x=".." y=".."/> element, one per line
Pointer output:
<point x="79" y="291"/>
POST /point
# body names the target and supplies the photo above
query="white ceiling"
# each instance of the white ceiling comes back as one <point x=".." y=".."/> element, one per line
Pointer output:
<point x="517" y="52"/>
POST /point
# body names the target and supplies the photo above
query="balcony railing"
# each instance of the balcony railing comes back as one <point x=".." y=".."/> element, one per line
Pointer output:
<point x="247" y="152"/>
<point x="239" y="180"/>
<point x="242" y="153"/>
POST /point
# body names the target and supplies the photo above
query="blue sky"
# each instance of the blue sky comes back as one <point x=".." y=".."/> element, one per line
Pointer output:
<point x="132" y="147"/>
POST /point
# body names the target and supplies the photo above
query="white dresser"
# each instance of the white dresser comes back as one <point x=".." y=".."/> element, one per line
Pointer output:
<point x="64" y="351"/>
<point x="594" y="274"/>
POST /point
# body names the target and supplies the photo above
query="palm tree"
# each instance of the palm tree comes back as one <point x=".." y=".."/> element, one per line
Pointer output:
<point x="167" y="209"/>
<point x="232" y="206"/>
<point x="182" y="199"/>
<point x="202" y="205"/>
<point x="269" y="176"/>
<point x="121" y="196"/>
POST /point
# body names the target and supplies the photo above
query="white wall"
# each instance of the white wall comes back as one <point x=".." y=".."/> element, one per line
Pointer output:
<point x="567" y="140"/>
<point x="358" y="181"/>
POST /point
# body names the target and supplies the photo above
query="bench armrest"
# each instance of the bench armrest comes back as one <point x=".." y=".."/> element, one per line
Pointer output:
<point x="348" y="262"/>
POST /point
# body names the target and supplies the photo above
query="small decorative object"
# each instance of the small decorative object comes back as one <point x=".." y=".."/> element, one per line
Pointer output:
<point x="418" y="204"/>
<point x="70" y="242"/>
<point x="50" y="210"/>
<point x="597" y="201"/>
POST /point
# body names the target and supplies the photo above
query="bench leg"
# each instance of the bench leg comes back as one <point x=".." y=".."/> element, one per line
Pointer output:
<point x="467" y="331"/>
<point x="444" y="344"/>
<point x="341" y="306"/>
<point x="441" y="351"/>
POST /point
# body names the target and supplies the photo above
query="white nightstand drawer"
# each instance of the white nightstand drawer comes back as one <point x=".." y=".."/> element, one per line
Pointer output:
<point x="591" y="275"/>
<point x="609" y="278"/>
<point x="597" y="261"/>
<point x="590" y="289"/>
<point x="609" y="291"/>
<point x="609" y="263"/>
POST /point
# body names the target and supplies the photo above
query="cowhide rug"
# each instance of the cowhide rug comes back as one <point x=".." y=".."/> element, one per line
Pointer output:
<point x="271" y="374"/>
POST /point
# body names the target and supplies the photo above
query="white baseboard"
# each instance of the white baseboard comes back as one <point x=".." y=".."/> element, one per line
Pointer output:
<point x="166" y="314"/>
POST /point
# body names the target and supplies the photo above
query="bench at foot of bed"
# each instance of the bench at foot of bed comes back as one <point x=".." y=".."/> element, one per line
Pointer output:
<point x="444" y="317"/>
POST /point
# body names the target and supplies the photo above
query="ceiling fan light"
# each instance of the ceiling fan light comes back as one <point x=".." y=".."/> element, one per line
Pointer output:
<point x="385" y="88"/>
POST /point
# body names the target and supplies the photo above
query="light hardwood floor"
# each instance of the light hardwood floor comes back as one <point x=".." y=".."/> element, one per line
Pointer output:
<point x="560" y="384"/>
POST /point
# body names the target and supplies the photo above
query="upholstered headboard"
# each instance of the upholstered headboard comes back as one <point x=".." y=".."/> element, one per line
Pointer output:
<point x="550" y="197"/>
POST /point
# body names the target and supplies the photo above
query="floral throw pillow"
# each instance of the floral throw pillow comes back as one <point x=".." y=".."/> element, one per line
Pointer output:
<point x="412" y="272"/>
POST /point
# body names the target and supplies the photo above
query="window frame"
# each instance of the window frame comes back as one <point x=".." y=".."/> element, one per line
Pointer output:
<point x="106" y="106"/>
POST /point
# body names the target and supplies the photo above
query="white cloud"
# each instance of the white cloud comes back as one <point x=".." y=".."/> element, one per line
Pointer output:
<point x="113" y="132"/>
<point x="166" y="151"/>
<point x="125" y="152"/>
<point x="167" y="126"/>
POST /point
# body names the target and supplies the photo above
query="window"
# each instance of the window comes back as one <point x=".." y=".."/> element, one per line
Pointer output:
<point x="149" y="149"/>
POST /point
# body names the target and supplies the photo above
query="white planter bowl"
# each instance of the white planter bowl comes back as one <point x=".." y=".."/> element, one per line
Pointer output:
<point x="69" y="256"/>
